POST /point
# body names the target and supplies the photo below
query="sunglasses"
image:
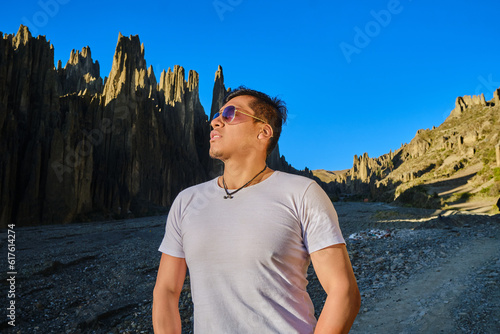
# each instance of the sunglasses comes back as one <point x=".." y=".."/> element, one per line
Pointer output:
<point x="229" y="113"/>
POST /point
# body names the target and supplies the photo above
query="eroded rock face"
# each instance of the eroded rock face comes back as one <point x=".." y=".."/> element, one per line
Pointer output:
<point x="467" y="101"/>
<point x="29" y="112"/>
<point x="80" y="74"/>
<point x="72" y="146"/>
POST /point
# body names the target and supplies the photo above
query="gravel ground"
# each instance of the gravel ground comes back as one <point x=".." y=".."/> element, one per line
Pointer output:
<point x="417" y="269"/>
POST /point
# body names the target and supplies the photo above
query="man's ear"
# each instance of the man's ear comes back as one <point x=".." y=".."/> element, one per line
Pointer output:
<point x="266" y="132"/>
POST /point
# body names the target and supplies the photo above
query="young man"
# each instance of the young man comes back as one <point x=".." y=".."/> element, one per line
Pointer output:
<point x="249" y="235"/>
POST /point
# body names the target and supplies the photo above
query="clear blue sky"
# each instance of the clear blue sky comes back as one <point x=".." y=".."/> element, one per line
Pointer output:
<point x="357" y="76"/>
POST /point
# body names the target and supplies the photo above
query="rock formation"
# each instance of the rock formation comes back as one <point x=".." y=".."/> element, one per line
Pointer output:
<point x="73" y="147"/>
<point x="80" y="73"/>
<point x="30" y="105"/>
<point x="462" y="103"/>
<point x="218" y="93"/>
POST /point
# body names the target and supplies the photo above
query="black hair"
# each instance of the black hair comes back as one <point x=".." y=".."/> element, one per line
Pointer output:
<point x="271" y="109"/>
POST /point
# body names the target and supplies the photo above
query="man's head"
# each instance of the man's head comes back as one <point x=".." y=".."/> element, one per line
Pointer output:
<point x="271" y="109"/>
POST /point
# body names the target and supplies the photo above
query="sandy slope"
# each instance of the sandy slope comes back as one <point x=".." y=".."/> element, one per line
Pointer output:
<point x="460" y="183"/>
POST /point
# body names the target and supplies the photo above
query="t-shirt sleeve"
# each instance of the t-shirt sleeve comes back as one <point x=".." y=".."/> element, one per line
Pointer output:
<point x="172" y="240"/>
<point x="319" y="219"/>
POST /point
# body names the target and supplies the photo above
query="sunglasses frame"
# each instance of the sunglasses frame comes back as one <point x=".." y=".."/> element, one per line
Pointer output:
<point x="219" y="113"/>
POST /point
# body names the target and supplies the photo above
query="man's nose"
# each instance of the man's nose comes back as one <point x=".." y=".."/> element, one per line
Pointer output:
<point x="216" y="122"/>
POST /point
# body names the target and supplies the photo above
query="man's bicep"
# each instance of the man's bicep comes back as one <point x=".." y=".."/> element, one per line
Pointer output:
<point x="333" y="267"/>
<point x="171" y="274"/>
<point x="319" y="220"/>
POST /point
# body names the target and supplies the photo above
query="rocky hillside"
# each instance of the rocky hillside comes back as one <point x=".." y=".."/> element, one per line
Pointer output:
<point x="453" y="166"/>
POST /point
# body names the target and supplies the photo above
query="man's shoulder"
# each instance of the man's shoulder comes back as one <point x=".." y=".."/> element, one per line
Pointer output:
<point x="197" y="188"/>
<point x="293" y="178"/>
<point x="293" y="181"/>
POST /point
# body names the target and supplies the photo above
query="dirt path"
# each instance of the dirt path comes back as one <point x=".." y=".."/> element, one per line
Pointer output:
<point x="428" y="302"/>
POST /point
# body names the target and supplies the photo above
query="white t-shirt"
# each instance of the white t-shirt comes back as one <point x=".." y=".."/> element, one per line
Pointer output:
<point x="248" y="256"/>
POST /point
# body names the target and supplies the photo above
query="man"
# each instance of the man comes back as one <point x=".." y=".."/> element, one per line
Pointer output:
<point x="249" y="235"/>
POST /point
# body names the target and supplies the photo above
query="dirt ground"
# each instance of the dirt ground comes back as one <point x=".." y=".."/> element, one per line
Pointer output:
<point x="99" y="277"/>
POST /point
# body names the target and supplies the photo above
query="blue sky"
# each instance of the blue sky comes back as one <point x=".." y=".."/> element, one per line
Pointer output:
<point x="357" y="76"/>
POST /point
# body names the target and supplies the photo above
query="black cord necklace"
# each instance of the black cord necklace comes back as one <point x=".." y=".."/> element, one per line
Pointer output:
<point x="230" y="194"/>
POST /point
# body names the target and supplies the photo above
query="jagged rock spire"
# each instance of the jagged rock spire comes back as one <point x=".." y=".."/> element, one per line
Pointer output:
<point x="152" y="80"/>
<point x="173" y="85"/>
<point x="22" y="37"/>
<point x="81" y="73"/>
<point x="129" y="70"/>
<point x="218" y="93"/>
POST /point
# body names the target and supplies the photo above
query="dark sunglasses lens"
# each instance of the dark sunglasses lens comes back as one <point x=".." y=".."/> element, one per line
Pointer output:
<point x="215" y="116"/>
<point x="228" y="114"/>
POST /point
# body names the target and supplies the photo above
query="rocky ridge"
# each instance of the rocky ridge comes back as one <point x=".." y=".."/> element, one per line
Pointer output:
<point x="450" y="166"/>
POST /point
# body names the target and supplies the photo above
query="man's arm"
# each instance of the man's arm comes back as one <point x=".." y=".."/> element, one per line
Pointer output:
<point x="334" y="271"/>
<point x="169" y="283"/>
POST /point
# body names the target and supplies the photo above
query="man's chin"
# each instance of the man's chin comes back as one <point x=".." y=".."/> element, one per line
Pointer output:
<point x="215" y="155"/>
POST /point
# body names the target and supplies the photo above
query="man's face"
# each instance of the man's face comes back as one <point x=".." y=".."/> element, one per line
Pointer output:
<point x="238" y="137"/>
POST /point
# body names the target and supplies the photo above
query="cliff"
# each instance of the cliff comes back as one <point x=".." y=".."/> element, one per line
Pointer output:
<point x="74" y="146"/>
<point x="451" y="166"/>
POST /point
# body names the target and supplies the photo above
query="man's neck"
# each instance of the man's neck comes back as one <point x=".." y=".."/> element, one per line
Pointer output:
<point x="238" y="173"/>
